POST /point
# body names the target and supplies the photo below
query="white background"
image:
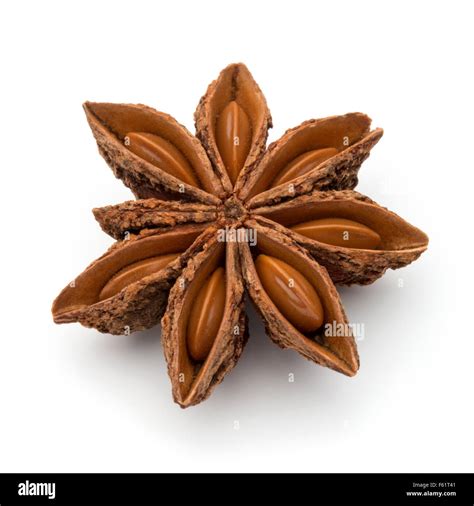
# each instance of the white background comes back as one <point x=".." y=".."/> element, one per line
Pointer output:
<point x="72" y="399"/>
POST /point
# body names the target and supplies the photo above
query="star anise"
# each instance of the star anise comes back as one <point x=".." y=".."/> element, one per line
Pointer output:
<point x="217" y="215"/>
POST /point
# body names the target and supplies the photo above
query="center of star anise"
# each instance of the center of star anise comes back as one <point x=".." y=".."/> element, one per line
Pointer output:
<point x="233" y="209"/>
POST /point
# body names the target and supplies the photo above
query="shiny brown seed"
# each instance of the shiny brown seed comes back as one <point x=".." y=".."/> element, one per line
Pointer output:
<point x="233" y="138"/>
<point x="303" y="164"/>
<point x="206" y="316"/>
<point x="340" y="232"/>
<point x="293" y="295"/>
<point x="162" y="154"/>
<point x="134" y="272"/>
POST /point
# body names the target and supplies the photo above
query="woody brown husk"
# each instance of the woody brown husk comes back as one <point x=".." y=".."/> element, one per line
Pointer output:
<point x="311" y="230"/>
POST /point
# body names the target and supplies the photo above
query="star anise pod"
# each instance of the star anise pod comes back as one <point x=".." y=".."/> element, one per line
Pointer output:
<point x="217" y="215"/>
